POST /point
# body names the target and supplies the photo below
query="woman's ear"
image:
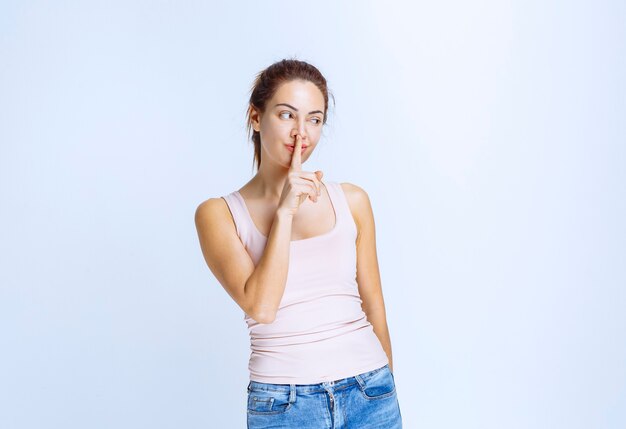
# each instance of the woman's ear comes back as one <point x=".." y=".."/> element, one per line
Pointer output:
<point x="255" y="119"/>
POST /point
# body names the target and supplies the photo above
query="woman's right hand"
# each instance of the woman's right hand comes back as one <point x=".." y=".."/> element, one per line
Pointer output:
<point x="299" y="185"/>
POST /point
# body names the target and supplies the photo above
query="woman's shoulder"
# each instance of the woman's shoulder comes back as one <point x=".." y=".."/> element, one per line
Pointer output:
<point x="354" y="193"/>
<point x="218" y="203"/>
<point x="213" y="210"/>
<point x="358" y="201"/>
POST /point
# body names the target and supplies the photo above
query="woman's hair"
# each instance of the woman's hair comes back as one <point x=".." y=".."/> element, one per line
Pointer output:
<point x="266" y="84"/>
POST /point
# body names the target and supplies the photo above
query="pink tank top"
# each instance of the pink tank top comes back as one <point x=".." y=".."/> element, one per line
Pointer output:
<point x="320" y="332"/>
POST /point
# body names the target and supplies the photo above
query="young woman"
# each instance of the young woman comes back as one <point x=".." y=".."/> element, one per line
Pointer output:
<point x="298" y="255"/>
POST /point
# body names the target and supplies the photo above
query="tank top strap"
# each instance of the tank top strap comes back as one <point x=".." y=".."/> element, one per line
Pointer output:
<point x="340" y="204"/>
<point x="239" y="212"/>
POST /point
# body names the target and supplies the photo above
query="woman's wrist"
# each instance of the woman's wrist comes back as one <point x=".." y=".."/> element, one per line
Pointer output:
<point x="283" y="214"/>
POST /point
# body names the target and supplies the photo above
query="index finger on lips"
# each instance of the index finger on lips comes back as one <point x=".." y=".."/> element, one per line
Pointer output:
<point x="296" y="157"/>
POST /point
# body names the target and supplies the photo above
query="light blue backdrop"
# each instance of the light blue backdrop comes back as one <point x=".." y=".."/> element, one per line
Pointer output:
<point x="490" y="136"/>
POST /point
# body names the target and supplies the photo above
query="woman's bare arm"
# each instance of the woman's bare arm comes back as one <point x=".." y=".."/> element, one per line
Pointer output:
<point x="368" y="274"/>
<point x="257" y="291"/>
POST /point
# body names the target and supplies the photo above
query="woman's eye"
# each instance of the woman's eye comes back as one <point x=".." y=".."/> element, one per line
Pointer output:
<point x="317" y="121"/>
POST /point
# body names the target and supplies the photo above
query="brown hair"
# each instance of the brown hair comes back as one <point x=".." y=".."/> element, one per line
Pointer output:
<point x="267" y="82"/>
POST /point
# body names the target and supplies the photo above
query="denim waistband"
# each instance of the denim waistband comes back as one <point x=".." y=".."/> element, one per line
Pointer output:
<point x="316" y="387"/>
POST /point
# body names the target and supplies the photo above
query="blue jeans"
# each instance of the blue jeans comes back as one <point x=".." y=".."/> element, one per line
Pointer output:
<point x="364" y="401"/>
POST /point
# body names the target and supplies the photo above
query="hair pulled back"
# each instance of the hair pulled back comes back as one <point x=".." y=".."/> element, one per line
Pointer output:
<point x="266" y="84"/>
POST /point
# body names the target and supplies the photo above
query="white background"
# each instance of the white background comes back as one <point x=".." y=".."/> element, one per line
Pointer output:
<point x="490" y="136"/>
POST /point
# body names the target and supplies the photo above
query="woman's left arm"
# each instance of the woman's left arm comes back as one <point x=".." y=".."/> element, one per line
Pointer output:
<point x="368" y="275"/>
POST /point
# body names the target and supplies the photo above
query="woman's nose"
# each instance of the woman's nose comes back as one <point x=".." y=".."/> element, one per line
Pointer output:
<point x="300" y="132"/>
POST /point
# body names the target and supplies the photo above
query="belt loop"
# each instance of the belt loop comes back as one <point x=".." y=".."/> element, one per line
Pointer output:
<point x="359" y="380"/>
<point x="292" y="393"/>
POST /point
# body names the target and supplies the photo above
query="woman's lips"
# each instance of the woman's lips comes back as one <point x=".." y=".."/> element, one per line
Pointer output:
<point x="290" y="147"/>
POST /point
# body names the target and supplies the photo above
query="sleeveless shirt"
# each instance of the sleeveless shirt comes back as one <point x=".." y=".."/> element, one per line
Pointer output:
<point x="320" y="332"/>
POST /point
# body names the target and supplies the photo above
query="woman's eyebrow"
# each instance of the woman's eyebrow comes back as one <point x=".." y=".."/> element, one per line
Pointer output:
<point x="291" y="107"/>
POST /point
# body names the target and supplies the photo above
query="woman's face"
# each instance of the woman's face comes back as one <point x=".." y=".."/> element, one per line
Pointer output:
<point x="297" y="107"/>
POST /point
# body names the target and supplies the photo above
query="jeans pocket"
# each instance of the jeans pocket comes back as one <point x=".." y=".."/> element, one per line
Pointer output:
<point x="377" y="384"/>
<point x="268" y="402"/>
